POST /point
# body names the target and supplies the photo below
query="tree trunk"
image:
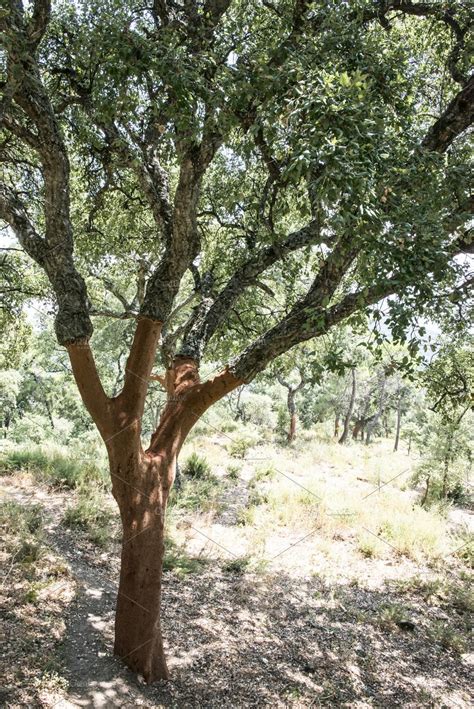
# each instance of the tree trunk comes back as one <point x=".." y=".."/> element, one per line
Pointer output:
<point x="140" y="484"/>
<point x="357" y="429"/>
<point x="336" y="426"/>
<point x="427" y="489"/>
<point x="373" y="420"/>
<point x="292" y="411"/>
<point x="141" y="480"/>
<point x="399" y="423"/>
<point x="138" y="640"/>
<point x="347" y="419"/>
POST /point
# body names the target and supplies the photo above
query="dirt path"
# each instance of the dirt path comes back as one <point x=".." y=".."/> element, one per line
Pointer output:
<point x="248" y="640"/>
<point x="95" y="677"/>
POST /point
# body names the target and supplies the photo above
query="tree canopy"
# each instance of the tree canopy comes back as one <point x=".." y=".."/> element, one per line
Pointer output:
<point x="247" y="175"/>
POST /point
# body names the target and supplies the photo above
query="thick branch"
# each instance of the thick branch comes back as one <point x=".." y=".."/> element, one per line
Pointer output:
<point x="90" y="387"/>
<point x="302" y="324"/>
<point x="13" y="213"/>
<point x="139" y="366"/>
<point x="39" y="22"/>
<point x="212" y="314"/>
<point x="454" y="120"/>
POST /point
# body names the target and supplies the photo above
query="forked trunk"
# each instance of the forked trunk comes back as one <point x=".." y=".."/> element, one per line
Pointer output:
<point x="141" y="480"/>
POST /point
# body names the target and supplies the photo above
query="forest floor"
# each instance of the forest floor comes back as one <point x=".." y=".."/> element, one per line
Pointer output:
<point x="315" y="606"/>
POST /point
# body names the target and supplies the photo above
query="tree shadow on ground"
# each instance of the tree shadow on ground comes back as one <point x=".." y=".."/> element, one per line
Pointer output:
<point x="247" y="640"/>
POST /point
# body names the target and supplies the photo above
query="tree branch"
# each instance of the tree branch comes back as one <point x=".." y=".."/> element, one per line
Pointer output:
<point x="212" y="313"/>
<point x="455" y="119"/>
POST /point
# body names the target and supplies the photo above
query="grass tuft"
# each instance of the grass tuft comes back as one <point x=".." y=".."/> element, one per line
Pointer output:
<point x="91" y="514"/>
<point x="51" y="466"/>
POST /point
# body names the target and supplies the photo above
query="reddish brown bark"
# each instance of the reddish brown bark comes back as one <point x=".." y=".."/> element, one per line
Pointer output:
<point x="141" y="480"/>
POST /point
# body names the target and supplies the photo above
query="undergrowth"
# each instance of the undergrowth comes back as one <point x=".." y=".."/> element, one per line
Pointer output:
<point x="52" y="466"/>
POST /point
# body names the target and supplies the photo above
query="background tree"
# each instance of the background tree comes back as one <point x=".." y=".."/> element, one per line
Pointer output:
<point x="444" y="434"/>
<point x="284" y="179"/>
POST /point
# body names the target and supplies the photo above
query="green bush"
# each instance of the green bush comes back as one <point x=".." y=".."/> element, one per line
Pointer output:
<point x="233" y="472"/>
<point x="239" y="447"/>
<point x="197" y="468"/>
<point x="178" y="561"/>
<point x="238" y="565"/>
<point x="196" y="494"/>
<point x="448" y="637"/>
<point x="266" y="473"/>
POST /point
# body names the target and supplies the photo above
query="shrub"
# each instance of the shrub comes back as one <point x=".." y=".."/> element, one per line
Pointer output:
<point x="239" y="447"/>
<point x="238" y="565"/>
<point x="233" y="472"/>
<point x="391" y="615"/>
<point x="197" y="494"/>
<point x="447" y="637"/>
<point x="197" y="468"/>
<point x="178" y="561"/>
<point x="265" y="473"/>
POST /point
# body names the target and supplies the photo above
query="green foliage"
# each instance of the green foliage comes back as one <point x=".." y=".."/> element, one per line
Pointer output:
<point x="200" y="494"/>
<point x="197" y="468"/>
<point x="449" y="638"/>
<point x="233" y="472"/>
<point x="238" y="565"/>
<point x="177" y="561"/>
<point x="239" y="447"/>
<point x="390" y="615"/>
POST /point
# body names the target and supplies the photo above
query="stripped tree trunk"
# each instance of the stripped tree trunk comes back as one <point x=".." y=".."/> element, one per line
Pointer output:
<point x="399" y="423"/>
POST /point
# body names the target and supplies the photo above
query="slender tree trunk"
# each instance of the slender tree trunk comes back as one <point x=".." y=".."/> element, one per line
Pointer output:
<point x="373" y="421"/>
<point x="292" y="411"/>
<point x="347" y="419"/>
<point x="336" y="425"/>
<point x="427" y="489"/>
<point x="447" y="461"/>
<point x="357" y="429"/>
<point x="399" y="423"/>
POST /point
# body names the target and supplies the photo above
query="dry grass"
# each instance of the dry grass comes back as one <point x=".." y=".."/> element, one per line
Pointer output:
<point x="354" y="491"/>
